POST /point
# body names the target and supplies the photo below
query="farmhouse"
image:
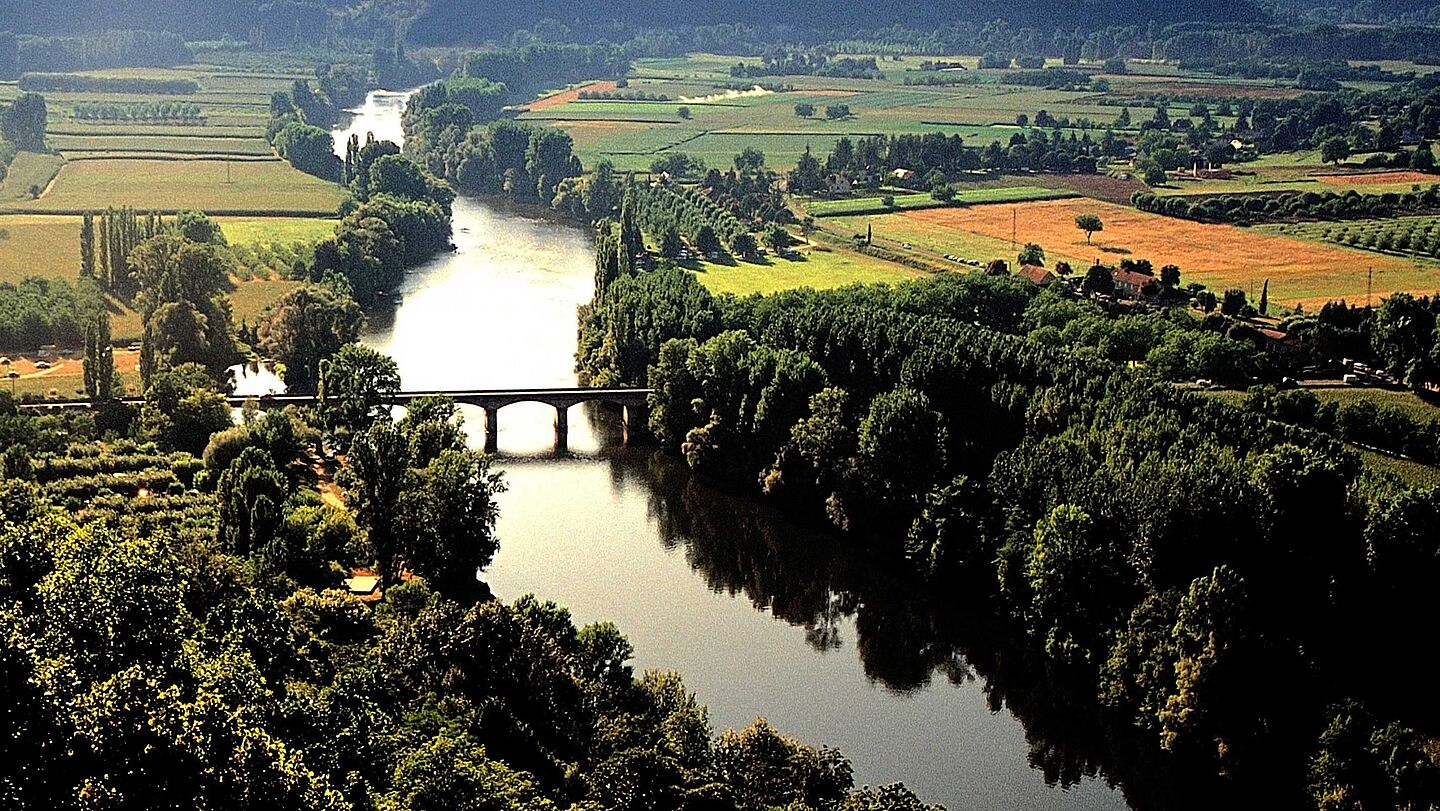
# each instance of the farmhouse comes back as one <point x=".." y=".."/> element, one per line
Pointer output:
<point x="1038" y="276"/>
<point x="836" y="183"/>
<point x="903" y="175"/>
<point x="1130" y="284"/>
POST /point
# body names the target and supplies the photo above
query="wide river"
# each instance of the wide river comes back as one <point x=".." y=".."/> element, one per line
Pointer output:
<point x="763" y="618"/>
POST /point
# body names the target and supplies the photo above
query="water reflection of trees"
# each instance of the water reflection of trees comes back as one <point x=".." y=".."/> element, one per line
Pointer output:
<point x="906" y="635"/>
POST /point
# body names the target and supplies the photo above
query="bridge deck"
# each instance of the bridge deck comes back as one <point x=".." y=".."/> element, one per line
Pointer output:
<point x="485" y="398"/>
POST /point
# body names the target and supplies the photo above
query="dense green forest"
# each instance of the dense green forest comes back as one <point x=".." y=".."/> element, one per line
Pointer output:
<point x="183" y="649"/>
<point x="1230" y="586"/>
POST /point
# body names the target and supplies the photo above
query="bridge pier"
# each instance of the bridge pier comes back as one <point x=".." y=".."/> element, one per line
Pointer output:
<point x="562" y="427"/>
<point x="492" y="428"/>
<point x="634" y="423"/>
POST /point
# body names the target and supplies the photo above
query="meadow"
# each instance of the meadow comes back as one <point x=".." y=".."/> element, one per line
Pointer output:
<point x="212" y="186"/>
<point x="820" y="267"/>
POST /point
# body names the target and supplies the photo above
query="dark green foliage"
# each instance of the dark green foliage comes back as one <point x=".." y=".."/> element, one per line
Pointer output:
<point x="308" y="148"/>
<point x="78" y="83"/>
<point x="40" y="311"/>
<point x="356" y="388"/>
<point x="307" y="326"/>
<point x="22" y="122"/>
<point x="1114" y="517"/>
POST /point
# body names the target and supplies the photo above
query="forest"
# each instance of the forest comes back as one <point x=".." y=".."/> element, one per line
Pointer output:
<point x="1110" y="516"/>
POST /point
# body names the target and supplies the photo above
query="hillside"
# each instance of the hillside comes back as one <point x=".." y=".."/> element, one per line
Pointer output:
<point x="457" y="21"/>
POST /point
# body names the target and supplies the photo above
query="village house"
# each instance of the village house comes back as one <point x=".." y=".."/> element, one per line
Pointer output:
<point x="903" y="175"/>
<point x="1129" y="284"/>
<point x="1036" y="275"/>
<point x="836" y="183"/>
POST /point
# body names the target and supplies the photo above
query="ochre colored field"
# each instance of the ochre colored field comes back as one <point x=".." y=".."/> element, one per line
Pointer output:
<point x="1220" y="256"/>
<point x="1376" y="178"/>
<point x="66" y="378"/>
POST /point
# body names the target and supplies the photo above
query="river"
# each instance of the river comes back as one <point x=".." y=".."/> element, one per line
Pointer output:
<point x="762" y="617"/>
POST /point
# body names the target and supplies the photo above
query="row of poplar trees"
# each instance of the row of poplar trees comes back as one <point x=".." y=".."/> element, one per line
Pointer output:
<point x="105" y="245"/>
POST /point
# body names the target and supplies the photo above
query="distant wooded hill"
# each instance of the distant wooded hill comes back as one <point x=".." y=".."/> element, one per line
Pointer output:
<point x="453" y="21"/>
<point x="474" y="21"/>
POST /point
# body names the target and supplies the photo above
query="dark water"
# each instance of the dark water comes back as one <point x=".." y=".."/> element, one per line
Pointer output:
<point x="761" y="616"/>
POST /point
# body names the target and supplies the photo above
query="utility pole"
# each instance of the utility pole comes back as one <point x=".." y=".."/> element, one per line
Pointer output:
<point x="1369" y="276"/>
<point x="1014" y="216"/>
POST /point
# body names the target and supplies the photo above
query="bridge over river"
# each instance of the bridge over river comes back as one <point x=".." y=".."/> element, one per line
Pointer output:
<point x="633" y="405"/>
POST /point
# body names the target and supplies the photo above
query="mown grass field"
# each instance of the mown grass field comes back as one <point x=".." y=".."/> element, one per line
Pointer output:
<point x="251" y="230"/>
<point x="33" y="245"/>
<point x="168" y="143"/>
<point x="1219" y="256"/>
<point x="215" y="187"/>
<point x="30" y="171"/>
<point x="820" y="268"/>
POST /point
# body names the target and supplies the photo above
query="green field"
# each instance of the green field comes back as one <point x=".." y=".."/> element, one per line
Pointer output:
<point x="820" y="268"/>
<point x="251" y="230"/>
<point x="29" y="172"/>
<point x="32" y="245"/>
<point x="911" y="202"/>
<point x="632" y="133"/>
<point x="215" y="187"/>
<point x="168" y="143"/>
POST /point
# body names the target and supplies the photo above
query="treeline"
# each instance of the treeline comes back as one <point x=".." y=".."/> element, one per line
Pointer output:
<point x="107" y="241"/>
<point x="779" y="62"/>
<point x="104" y="49"/>
<point x="39" y="311"/>
<point x="22" y="126"/>
<point x="300" y="120"/>
<point x="935" y="156"/>
<point x="528" y="69"/>
<point x="1362" y="421"/>
<point x="506" y="157"/>
<point x="1249" y="209"/>
<point x="165" y="111"/>
<point x="401" y="219"/>
<point x="76" y="83"/>
<point x="1112" y="517"/>
<point x="483" y="98"/>
<point x="922" y="154"/>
